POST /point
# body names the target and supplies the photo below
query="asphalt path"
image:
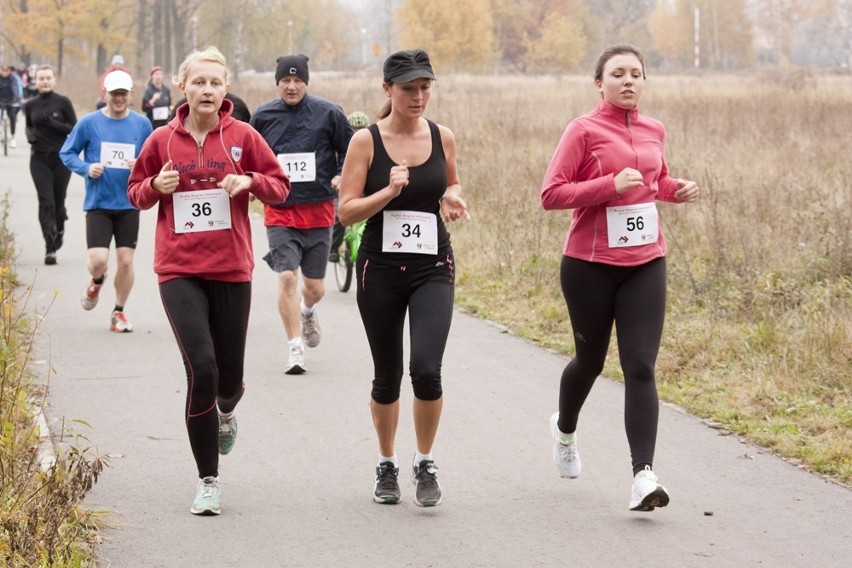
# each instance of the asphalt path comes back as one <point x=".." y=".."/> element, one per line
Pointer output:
<point x="297" y="487"/>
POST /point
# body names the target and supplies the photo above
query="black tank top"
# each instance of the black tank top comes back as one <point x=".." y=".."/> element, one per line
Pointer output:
<point x="426" y="185"/>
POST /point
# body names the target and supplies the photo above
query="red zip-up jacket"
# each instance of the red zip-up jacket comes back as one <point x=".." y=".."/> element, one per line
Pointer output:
<point x="231" y="147"/>
<point x="594" y="148"/>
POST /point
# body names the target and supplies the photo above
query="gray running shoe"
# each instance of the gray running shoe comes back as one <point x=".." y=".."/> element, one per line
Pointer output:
<point x="227" y="434"/>
<point x="311" y="333"/>
<point x="425" y="477"/>
<point x="386" y="489"/>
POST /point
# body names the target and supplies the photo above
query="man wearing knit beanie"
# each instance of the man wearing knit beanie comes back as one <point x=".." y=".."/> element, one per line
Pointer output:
<point x="310" y="136"/>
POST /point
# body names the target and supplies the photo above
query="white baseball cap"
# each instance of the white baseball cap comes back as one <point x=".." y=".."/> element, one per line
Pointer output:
<point x="118" y="81"/>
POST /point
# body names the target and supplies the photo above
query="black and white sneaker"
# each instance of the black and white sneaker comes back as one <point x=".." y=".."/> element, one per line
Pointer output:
<point x="386" y="490"/>
<point x="425" y="477"/>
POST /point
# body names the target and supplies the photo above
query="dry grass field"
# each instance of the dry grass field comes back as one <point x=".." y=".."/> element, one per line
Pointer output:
<point x="759" y="330"/>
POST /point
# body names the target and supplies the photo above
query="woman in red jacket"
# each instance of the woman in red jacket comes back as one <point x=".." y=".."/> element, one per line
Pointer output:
<point x="610" y="168"/>
<point x="200" y="168"/>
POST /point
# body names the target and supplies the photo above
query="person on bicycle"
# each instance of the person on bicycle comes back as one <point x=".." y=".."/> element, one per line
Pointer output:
<point x="11" y="93"/>
<point x="49" y="118"/>
<point x="357" y="120"/>
<point x="310" y="136"/>
<point x="110" y="139"/>
<point x="401" y="175"/>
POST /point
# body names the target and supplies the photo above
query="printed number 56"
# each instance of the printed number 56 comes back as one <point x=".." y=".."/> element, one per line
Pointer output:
<point x="635" y="224"/>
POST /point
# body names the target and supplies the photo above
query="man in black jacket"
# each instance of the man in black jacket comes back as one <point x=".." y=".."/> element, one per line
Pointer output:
<point x="310" y="136"/>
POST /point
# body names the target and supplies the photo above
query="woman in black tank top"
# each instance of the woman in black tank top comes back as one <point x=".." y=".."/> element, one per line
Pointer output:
<point x="400" y="174"/>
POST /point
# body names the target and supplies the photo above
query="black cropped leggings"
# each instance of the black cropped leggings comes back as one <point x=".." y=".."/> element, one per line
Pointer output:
<point x="210" y="321"/>
<point x="634" y="298"/>
<point x="385" y="293"/>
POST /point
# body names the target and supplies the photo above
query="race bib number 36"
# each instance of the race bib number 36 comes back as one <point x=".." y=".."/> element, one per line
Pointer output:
<point x="202" y="210"/>
<point x="632" y="225"/>
<point x="299" y="167"/>
<point x="410" y="231"/>
<point x="115" y="154"/>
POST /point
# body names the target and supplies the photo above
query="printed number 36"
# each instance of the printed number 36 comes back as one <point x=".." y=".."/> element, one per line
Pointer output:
<point x="199" y="209"/>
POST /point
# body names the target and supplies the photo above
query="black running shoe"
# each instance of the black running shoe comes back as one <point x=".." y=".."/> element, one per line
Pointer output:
<point x="425" y="476"/>
<point x="387" y="486"/>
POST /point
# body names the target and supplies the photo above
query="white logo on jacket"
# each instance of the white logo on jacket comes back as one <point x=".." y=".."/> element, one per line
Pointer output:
<point x="236" y="153"/>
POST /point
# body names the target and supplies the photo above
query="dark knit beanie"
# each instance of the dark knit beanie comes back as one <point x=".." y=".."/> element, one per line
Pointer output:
<point x="292" y="65"/>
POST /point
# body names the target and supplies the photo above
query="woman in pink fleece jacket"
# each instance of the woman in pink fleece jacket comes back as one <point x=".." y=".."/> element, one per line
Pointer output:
<point x="610" y="168"/>
<point x="200" y="169"/>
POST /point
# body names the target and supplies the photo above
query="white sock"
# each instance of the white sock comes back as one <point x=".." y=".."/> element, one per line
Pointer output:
<point x="306" y="311"/>
<point x="225" y="416"/>
<point x="295" y="342"/>
<point x="391" y="459"/>
<point x="418" y="457"/>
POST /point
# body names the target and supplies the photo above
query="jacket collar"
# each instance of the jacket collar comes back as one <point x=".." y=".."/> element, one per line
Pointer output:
<point x="609" y="110"/>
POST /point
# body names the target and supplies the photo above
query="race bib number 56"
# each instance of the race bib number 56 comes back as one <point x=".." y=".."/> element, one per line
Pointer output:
<point x="632" y="225"/>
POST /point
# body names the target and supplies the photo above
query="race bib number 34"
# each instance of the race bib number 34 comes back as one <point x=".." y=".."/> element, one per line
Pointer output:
<point x="410" y="231"/>
<point x="202" y="210"/>
<point x="632" y="225"/>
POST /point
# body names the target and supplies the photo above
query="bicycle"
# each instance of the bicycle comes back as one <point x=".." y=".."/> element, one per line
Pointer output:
<point x="345" y="265"/>
<point x="4" y="129"/>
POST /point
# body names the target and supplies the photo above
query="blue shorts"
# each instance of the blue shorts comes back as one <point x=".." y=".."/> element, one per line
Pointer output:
<point x="290" y="249"/>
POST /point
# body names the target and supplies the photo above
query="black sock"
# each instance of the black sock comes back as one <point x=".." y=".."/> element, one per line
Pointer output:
<point x="118" y="308"/>
<point x="100" y="279"/>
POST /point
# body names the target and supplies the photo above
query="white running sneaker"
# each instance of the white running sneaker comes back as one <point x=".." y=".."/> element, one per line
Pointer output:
<point x="296" y="361"/>
<point x="311" y="329"/>
<point x="647" y="493"/>
<point x="565" y="456"/>
<point x="207" y="495"/>
<point x="13" y="143"/>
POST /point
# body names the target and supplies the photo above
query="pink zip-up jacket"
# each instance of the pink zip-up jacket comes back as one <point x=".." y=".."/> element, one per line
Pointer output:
<point x="594" y="148"/>
<point x="232" y="147"/>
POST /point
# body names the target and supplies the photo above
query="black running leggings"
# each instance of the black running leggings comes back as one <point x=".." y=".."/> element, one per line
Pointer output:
<point x="634" y="297"/>
<point x="385" y="293"/>
<point x="51" y="178"/>
<point x="210" y="321"/>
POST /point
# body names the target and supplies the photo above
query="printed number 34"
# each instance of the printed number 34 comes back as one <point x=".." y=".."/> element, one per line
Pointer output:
<point x="408" y="230"/>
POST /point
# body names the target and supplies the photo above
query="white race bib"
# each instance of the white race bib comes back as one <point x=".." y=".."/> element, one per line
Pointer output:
<point x="202" y="210"/>
<point x="632" y="225"/>
<point x="299" y="167"/>
<point x="160" y="113"/>
<point x="115" y="154"/>
<point x="410" y="231"/>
